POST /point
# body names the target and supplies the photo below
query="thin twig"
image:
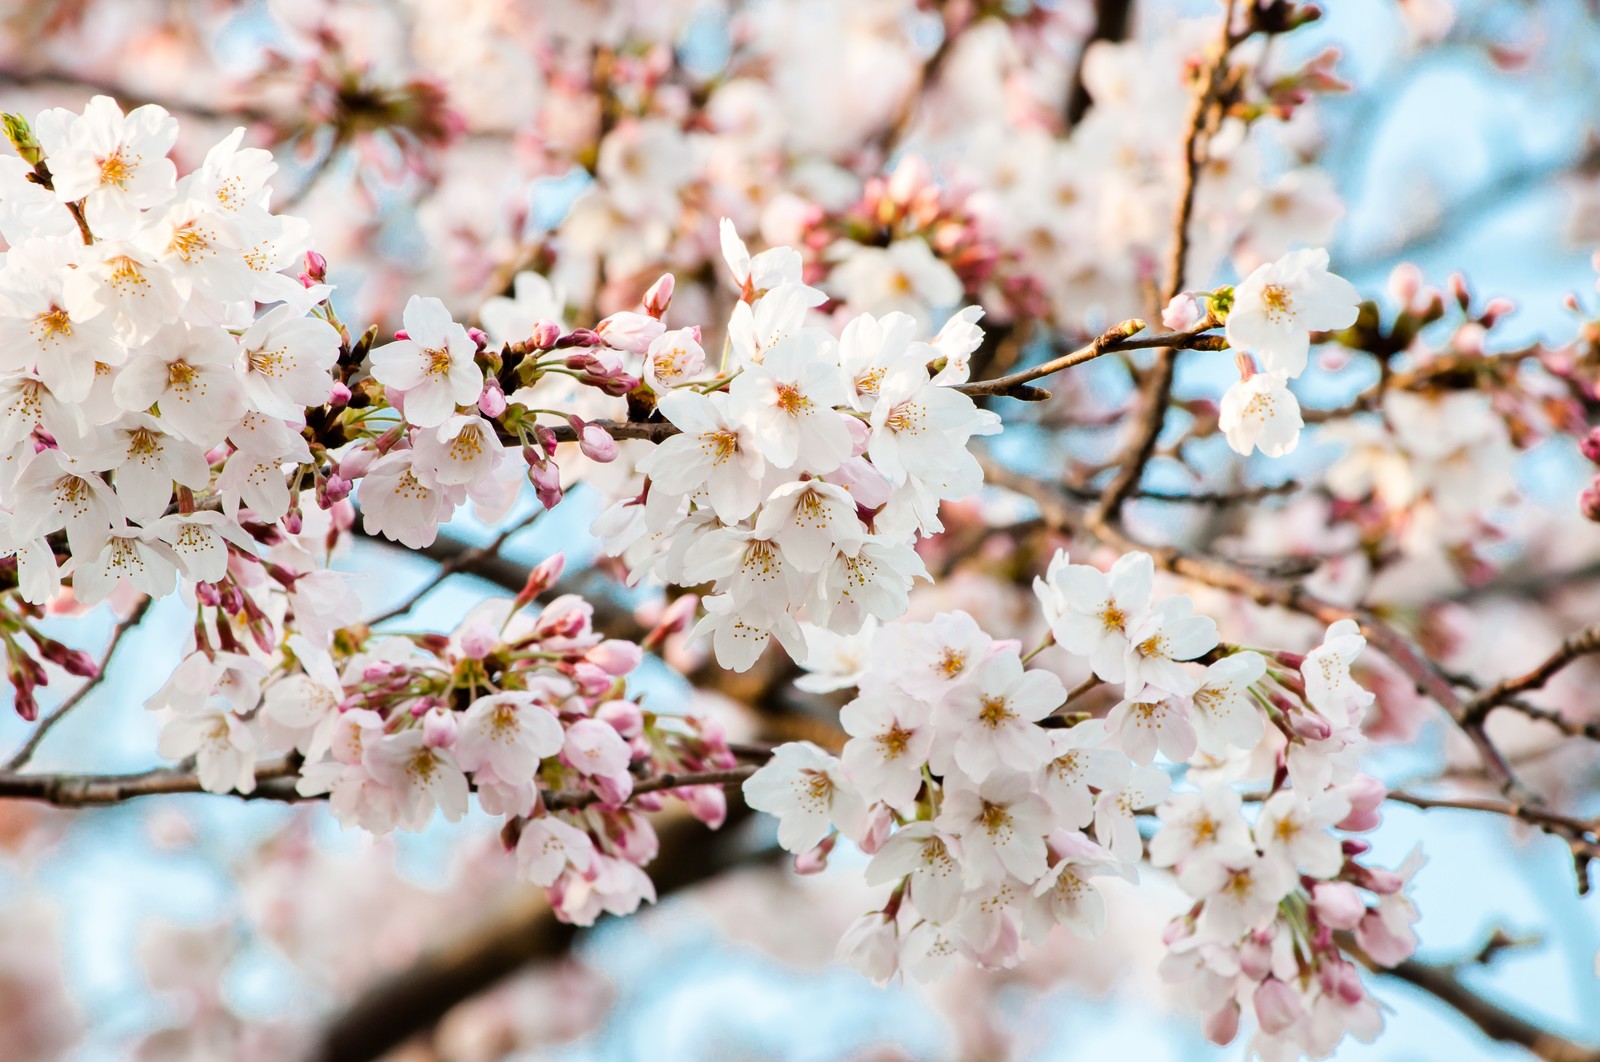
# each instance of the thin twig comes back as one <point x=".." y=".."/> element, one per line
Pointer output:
<point x="1158" y="390"/>
<point x="465" y="559"/>
<point x="1581" y="644"/>
<point x="29" y="747"/>
<point x="1117" y="338"/>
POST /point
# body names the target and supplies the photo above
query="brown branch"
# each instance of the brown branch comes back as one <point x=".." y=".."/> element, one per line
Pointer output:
<point x="731" y="776"/>
<point x="29" y="747"/>
<point x="1576" y="831"/>
<point x="466" y="558"/>
<point x="1581" y="644"/>
<point x="1493" y="1020"/>
<point x="1118" y="337"/>
<point x="93" y="790"/>
<point x="1158" y="389"/>
<point x="522" y="932"/>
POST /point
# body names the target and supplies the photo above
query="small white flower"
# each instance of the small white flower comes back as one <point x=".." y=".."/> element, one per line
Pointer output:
<point x="932" y="860"/>
<point x="1090" y="612"/>
<point x="994" y="716"/>
<point x="1223" y="712"/>
<point x="1279" y="305"/>
<point x="117" y="164"/>
<point x="1330" y="689"/>
<point x="1169" y="634"/>
<point x="890" y="737"/>
<point x="787" y="405"/>
<point x="713" y="450"/>
<point x="434" y="367"/>
<point x="1114" y="824"/>
<point x="808" y="792"/>
<point x="510" y="732"/>
<point x="1001" y="824"/>
<point x="1153" y="720"/>
<point x="1261" y="413"/>
<point x="1295" y="831"/>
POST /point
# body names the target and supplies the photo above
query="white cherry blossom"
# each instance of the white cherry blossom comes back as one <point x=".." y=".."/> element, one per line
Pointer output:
<point x="1278" y="306"/>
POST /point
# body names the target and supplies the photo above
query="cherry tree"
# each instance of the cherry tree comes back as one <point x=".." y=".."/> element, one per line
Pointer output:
<point x="942" y="461"/>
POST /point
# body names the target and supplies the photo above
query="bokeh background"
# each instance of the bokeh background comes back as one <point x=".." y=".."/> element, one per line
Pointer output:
<point x="212" y="928"/>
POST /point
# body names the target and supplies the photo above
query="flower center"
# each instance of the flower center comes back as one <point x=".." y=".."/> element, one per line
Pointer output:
<point x="720" y="444"/>
<point x="993" y="712"/>
<point x="791" y="401"/>
<point x="115" y="169"/>
<point x="1279" y="302"/>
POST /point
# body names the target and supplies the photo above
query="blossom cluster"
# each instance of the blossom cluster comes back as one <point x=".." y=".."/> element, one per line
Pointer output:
<point x="136" y="372"/>
<point x="529" y="711"/>
<point x="1270" y="316"/>
<point x="804" y="470"/>
<point x="991" y="805"/>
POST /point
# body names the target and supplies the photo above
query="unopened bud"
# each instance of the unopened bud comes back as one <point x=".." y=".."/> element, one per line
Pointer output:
<point x="595" y="442"/>
<point x="546" y="480"/>
<point x="659" y="297"/>
<point x="338" y="395"/>
<point x="492" y="402"/>
<point x="544" y="335"/>
<point x="316" y="266"/>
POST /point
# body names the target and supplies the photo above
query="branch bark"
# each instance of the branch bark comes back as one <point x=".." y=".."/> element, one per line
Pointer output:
<point x="523" y="932"/>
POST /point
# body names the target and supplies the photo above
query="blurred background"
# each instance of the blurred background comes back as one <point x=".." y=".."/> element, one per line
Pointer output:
<point x="444" y="148"/>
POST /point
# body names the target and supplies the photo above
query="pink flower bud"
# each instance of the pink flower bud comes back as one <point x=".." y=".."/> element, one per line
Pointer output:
<point x="618" y="384"/>
<point x="1255" y="956"/>
<point x="659" y="297"/>
<point x="860" y="435"/>
<point x="1342" y="980"/>
<point x="629" y="331"/>
<point x="1277" y="1006"/>
<point x="880" y="823"/>
<point x="546" y="480"/>
<point x="316" y="266"/>
<point x="708" y="803"/>
<point x="1338" y="904"/>
<point x="1354" y="846"/>
<point x="545" y="335"/>
<point x="1311" y="727"/>
<point x="294" y="521"/>
<point x="1458" y="290"/>
<point x="1222" y="1024"/>
<point x="543" y="576"/>
<point x="622" y="716"/>
<point x="1386" y="947"/>
<point x="676" y="616"/>
<point x="1497" y="309"/>
<point x="479" y="337"/>
<point x="615" y="657"/>
<point x="492" y="402"/>
<point x="439" y="729"/>
<point x="1404" y="283"/>
<point x="1589" y="502"/>
<point x="401" y="334"/>
<point x="597" y="444"/>
<point x="354" y="465"/>
<point x="1589" y="446"/>
<point x="1366" y="795"/>
<point x="816" y="860"/>
<point x="478" y="640"/>
<point x="207" y="594"/>
<point x="1379" y="880"/>
<point x="335" y="489"/>
<point x="592" y="681"/>
<point x="580" y="337"/>
<point x="1182" y="313"/>
<point x="25" y="703"/>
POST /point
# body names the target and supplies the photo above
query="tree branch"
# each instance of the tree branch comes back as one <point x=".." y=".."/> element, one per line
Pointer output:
<point x="522" y="932"/>
<point x="1493" y="1020"/>
<point x="1158" y="390"/>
